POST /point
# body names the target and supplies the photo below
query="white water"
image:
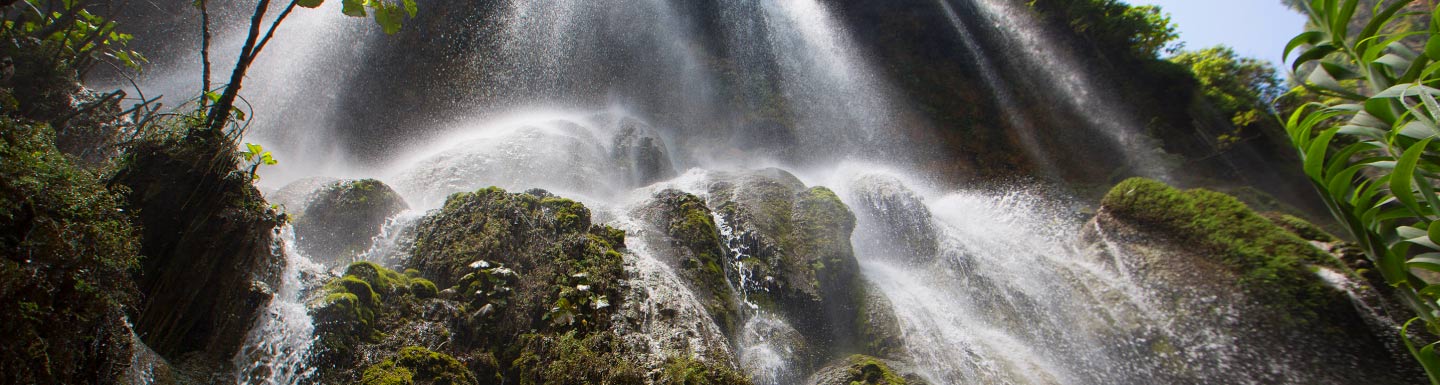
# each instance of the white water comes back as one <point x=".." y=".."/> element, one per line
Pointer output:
<point x="276" y="350"/>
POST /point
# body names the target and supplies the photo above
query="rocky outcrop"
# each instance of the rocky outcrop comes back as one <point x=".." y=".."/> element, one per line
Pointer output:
<point x="341" y="220"/>
<point x="686" y="238"/>
<point x="793" y="245"/>
<point x="1213" y="261"/>
<point x="211" y="258"/>
<point x="907" y="229"/>
<point x="641" y="153"/>
<point x="863" y="370"/>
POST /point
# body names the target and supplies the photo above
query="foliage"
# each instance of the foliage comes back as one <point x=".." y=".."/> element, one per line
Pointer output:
<point x="1116" y="28"/>
<point x="66" y="251"/>
<point x="254" y="156"/>
<point x="1272" y="263"/>
<point x="77" y="37"/>
<point x="417" y="365"/>
<point x="569" y="359"/>
<point x="351" y="306"/>
<point x="1241" y="88"/>
<point x="866" y="370"/>
<point x="1371" y="154"/>
<point x="686" y="370"/>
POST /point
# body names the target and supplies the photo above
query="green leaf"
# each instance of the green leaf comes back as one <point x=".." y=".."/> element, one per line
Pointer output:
<point x="410" y="8"/>
<point x="1432" y="48"/>
<point x="1427" y="261"/>
<point x="1401" y="181"/>
<point x="353" y="8"/>
<point x="1315" y="155"/>
<point x="1310" y="37"/>
<point x="1314" y="53"/>
<point x="309" y="3"/>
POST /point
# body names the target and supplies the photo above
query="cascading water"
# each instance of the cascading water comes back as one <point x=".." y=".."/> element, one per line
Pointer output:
<point x="988" y="288"/>
<point x="276" y="350"/>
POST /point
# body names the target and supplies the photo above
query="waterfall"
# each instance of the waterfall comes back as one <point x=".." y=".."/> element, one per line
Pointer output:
<point x="276" y="350"/>
<point x="608" y="101"/>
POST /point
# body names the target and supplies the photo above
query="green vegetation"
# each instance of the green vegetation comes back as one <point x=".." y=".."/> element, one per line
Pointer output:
<point x="1272" y="263"/>
<point x="1115" y="28"/>
<point x="68" y="248"/>
<point x="417" y="365"/>
<point x="689" y="222"/>
<point x="1240" y="88"/>
<point x="686" y="370"/>
<point x="1371" y="151"/>
<point x="352" y="305"/>
<point x="570" y="359"/>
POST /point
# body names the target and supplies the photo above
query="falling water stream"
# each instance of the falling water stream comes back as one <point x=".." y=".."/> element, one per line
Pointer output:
<point x="1006" y="294"/>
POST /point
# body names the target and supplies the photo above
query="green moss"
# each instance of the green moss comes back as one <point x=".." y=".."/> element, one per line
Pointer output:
<point x="68" y="251"/>
<point x="866" y="370"/>
<point x="691" y="224"/>
<point x="568" y="359"/>
<point x="417" y="365"/>
<point x="686" y="370"/>
<point x="1272" y="263"/>
<point x="352" y="304"/>
<point x="423" y="288"/>
<point x="1300" y="227"/>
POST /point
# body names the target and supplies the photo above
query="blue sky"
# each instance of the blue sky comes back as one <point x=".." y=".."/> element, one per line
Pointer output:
<point x="1255" y="28"/>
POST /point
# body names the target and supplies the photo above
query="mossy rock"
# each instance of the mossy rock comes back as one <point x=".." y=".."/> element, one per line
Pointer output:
<point x="794" y="245"/>
<point x="571" y="359"/>
<point x="862" y="370"/>
<point x="1273" y="264"/>
<point x="691" y="245"/>
<point x="357" y="308"/>
<point x="418" y="366"/>
<point x="340" y="221"/>
<point x="208" y="237"/>
<point x="558" y="272"/>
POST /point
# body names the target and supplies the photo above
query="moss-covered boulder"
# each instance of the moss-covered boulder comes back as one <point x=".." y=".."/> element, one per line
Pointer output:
<point x="211" y="257"/>
<point x="340" y="221"/>
<point x="793" y="245"/>
<point x="66" y="249"/>
<point x="641" y="153"/>
<point x="862" y="370"/>
<point x="686" y="238"/>
<point x="521" y="264"/>
<point x="417" y="366"/>
<point x="1198" y="248"/>
<point x="371" y="311"/>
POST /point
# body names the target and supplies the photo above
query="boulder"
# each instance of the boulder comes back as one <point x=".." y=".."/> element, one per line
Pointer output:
<point x="1197" y="249"/>
<point x="641" y="152"/>
<point x="905" y="228"/>
<point x="792" y="244"/>
<point x="342" y="219"/>
<point x="684" y="236"/>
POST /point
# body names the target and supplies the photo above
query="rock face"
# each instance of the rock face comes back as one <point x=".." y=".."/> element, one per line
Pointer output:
<point x="210" y="253"/>
<point x="686" y="237"/>
<point x="1200" y="249"/>
<point x="793" y="244"/>
<point x="340" y="221"/>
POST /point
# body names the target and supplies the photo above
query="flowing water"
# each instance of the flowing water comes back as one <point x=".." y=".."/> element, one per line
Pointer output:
<point x="614" y="98"/>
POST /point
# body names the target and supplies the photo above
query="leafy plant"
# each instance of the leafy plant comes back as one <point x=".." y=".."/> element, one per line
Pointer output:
<point x="255" y="156"/>
<point x="1373" y="155"/>
<point x="79" y="37"/>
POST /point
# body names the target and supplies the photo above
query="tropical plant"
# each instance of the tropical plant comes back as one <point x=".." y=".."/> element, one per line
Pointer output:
<point x="79" y="38"/>
<point x="1372" y="153"/>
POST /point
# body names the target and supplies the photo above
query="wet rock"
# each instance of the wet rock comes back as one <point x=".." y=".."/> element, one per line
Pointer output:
<point x="661" y="319"/>
<point x="641" y="152"/>
<point x="208" y="235"/>
<point x="1216" y="262"/>
<point x="295" y="197"/>
<point x="863" y="370"/>
<point x="794" y="245"/>
<point x="538" y="264"/>
<point x="684" y="236"/>
<point x="342" y="219"/>
<point x="906" y="229"/>
<point x="371" y="314"/>
<point x="879" y="326"/>
<point x="419" y="366"/>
